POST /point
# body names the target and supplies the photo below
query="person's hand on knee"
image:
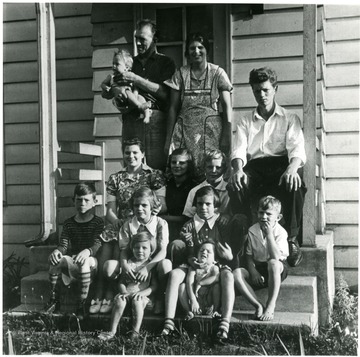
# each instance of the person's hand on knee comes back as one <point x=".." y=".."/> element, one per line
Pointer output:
<point x="82" y="256"/>
<point x="55" y="257"/>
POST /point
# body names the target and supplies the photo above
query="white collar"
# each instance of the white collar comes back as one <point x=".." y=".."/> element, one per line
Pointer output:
<point x="151" y="226"/>
<point x="199" y="222"/>
<point x="259" y="233"/>
<point x="221" y="185"/>
<point x="278" y="110"/>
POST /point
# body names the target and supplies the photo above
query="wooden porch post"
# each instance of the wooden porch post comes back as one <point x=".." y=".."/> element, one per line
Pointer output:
<point x="309" y="103"/>
<point x="48" y="123"/>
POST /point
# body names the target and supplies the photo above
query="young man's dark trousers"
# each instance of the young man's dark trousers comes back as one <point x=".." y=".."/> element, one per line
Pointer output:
<point x="264" y="176"/>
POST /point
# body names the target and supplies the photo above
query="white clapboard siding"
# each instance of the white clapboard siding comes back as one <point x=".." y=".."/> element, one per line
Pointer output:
<point x="102" y="57"/>
<point x="342" y="166"/>
<point x="107" y="126"/>
<point x="67" y="27"/>
<point x="342" y="33"/>
<point x="289" y="93"/>
<point x="291" y="21"/>
<point x="343" y="74"/>
<point x="15" y="233"/>
<point x="350" y="29"/>
<point x="346" y="235"/>
<point x="22" y="154"/>
<point x="73" y="31"/>
<point x="20" y="72"/>
<point x="21" y="113"/>
<point x="23" y="194"/>
<point x="21" y="133"/>
<point x="21" y="214"/>
<point x="342" y="213"/>
<point x="20" y="52"/>
<point x="288" y="69"/>
<point x="75" y="131"/>
<point x="12" y="32"/>
<point x="73" y="68"/>
<point x="114" y="33"/>
<point x="341" y="11"/>
<point x="342" y="190"/>
<point x="12" y="12"/>
<point x="343" y="52"/>
<point x="343" y="97"/>
<point x="113" y="149"/>
<point x="342" y="143"/>
<point x="103" y="106"/>
<point x="74" y="110"/>
<point x="80" y="48"/>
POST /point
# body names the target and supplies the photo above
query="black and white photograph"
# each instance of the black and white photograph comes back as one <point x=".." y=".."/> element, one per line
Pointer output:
<point x="180" y="178"/>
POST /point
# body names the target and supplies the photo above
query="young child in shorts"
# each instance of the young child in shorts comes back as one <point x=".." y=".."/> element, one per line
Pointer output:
<point x="74" y="258"/>
<point x="139" y="293"/>
<point x="124" y="92"/>
<point x="200" y="294"/>
<point x="265" y="254"/>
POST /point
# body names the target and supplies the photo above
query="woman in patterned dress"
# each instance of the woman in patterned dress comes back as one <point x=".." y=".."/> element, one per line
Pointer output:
<point x="195" y="121"/>
<point x="119" y="189"/>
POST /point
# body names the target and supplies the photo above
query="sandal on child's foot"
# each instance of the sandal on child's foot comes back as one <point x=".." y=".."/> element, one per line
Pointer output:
<point x="106" y="336"/>
<point x="221" y="337"/>
<point x="190" y="315"/>
<point x="169" y="327"/>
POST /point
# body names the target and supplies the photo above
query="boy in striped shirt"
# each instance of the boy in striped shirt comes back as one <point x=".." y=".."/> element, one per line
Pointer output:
<point x="74" y="258"/>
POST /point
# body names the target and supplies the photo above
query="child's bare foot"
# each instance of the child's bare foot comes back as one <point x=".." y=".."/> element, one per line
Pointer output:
<point x="268" y="314"/>
<point x="259" y="312"/>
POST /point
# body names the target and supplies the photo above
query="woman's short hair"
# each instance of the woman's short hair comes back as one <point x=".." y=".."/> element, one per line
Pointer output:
<point x="133" y="141"/>
<point x="263" y="74"/>
<point x="214" y="155"/>
<point x="189" y="158"/>
<point x="270" y="202"/>
<point x="147" y="193"/>
<point x="198" y="37"/>
<point x="85" y="188"/>
<point x="143" y="237"/>
<point x="124" y="56"/>
<point x="207" y="191"/>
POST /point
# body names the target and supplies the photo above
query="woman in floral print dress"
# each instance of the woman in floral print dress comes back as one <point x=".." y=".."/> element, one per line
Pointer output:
<point x="120" y="187"/>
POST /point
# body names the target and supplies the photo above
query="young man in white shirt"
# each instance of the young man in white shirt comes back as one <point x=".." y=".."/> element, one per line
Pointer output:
<point x="268" y="150"/>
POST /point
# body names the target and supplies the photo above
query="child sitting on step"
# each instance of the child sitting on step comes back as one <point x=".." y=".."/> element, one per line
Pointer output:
<point x="124" y="92"/>
<point x="265" y="255"/>
<point x="200" y="294"/>
<point x="145" y="205"/>
<point x="205" y="226"/>
<point x="74" y="258"/>
<point x="140" y="293"/>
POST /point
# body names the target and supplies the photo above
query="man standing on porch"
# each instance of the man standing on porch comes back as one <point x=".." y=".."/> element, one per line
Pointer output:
<point x="268" y="150"/>
<point x="149" y="71"/>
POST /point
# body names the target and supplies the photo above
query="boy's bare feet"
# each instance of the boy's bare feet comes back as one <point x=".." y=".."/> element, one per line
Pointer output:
<point x="268" y="314"/>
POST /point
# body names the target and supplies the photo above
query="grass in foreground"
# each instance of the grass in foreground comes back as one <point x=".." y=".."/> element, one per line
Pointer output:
<point x="39" y="333"/>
